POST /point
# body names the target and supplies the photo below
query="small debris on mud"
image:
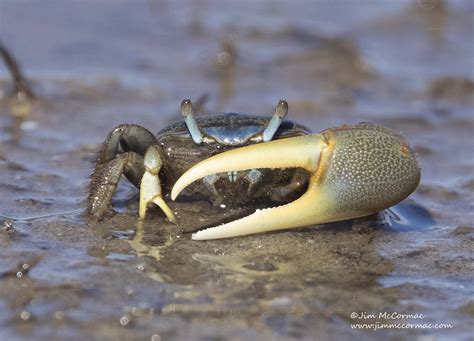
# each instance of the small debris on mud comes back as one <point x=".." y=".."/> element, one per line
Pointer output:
<point x="8" y="226"/>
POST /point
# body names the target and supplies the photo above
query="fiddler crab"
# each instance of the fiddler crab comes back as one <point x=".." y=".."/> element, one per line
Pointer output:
<point x="340" y="173"/>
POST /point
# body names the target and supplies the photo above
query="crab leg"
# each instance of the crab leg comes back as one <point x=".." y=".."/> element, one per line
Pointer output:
<point x="111" y="164"/>
<point x="150" y="187"/>
<point x="354" y="171"/>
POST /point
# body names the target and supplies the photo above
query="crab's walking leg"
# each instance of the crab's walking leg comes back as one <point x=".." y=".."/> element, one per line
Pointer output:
<point x="125" y="137"/>
<point x="254" y="178"/>
<point x="150" y="187"/>
<point x="106" y="177"/>
<point x="121" y="153"/>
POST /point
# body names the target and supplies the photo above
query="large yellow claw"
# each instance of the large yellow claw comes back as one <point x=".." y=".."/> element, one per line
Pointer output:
<point x="355" y="171"/>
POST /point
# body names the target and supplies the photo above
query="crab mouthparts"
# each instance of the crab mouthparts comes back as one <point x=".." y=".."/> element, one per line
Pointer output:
<point x="309" y="152"/>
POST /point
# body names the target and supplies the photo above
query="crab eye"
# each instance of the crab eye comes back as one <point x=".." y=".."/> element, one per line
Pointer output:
<point x="187" y="112"/>
<point x="281" y="110"/>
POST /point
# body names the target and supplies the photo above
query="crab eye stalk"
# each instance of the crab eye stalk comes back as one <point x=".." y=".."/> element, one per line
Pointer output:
<point x="280" y="112"/>
<point x="187" y="112"/>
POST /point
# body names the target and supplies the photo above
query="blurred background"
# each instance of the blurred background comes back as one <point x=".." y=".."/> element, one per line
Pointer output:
<point x="407" y="65"/>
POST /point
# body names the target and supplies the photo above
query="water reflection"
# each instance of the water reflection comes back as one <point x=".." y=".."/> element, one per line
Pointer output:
<point x="147" y="249"/>
<point x="225" y="66"/>
<point x="245" y="259"/>
<point x="21" y="99"/>
<point x="407" y="217"/>
<point x="284" y="275"/>
<point x="434" y="15"/>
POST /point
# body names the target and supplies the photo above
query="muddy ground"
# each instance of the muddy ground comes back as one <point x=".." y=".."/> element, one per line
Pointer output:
<point x="407" y="65"/>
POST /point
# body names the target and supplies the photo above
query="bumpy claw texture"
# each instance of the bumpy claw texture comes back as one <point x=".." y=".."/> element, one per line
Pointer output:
<point x="372" y="168"/>
<point x="354" y="171"/>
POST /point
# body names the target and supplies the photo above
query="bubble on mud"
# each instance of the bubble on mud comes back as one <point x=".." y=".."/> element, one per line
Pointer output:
<point x="125" y="320"/>
<point x="141" y="267"/>
<point x="281" y="302"/>
<point x="59" y="315"/>
<point x="8" y="225"/>
<point x="155" y="337"/>
<point x="224" y="58"/>
<point x="29" y="125"/>
<point x="19" y="274"/>
<point x="25" y="316"/>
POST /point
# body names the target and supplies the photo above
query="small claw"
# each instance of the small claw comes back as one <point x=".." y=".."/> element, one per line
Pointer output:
<point x="150" y="187"/>
<point x="165" y="208"/>
<point x="150" y="192"/>
<point x="355" y="171"/>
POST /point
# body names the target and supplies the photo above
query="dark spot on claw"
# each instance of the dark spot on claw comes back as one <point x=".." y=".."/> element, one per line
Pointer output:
<point x="261" y="266"/>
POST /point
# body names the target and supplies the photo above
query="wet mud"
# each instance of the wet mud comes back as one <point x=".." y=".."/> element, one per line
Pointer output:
<point x="406" y="65"/>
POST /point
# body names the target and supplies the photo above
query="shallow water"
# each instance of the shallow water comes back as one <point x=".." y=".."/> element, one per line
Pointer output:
<point x="93" y="65"/>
